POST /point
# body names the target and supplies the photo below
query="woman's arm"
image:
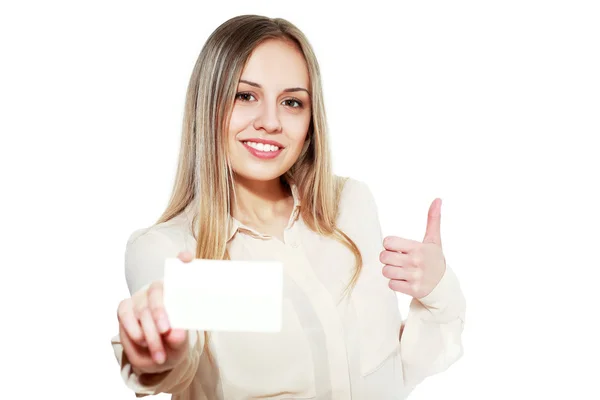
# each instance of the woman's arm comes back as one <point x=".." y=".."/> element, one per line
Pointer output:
<point x="145" y="254"/>
<point x="431" y="335"/>
<point x="171" y="381"/>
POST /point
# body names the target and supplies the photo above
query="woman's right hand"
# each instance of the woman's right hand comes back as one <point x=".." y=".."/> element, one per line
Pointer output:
<point x="146" y="336"/>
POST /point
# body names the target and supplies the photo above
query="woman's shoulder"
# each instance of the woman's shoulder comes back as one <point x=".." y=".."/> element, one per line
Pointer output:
<point x="355" y="193"/>
<point x="358" y="216"/>
<point x="160" y="233"/>
<point x="148" y="248"/>
<point x="356" y="204"/>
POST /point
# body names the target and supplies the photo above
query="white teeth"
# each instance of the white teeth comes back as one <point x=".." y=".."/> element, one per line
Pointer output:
<point x="262" y="146"/>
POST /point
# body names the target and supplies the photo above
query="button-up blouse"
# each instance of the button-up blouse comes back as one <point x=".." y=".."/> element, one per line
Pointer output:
<point x="330" y="346"/>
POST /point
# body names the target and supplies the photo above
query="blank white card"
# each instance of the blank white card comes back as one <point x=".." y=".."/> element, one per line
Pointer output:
<point x="224" y="295"/>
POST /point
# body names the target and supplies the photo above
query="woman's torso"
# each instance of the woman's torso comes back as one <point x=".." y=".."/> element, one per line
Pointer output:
<point x="329" y="347"/>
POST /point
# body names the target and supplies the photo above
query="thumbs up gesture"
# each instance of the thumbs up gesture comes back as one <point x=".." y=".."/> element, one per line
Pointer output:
<point x="415" y="268"/>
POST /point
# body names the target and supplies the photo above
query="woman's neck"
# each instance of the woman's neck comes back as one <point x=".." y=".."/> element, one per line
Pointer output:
<point x="258" y="203"/>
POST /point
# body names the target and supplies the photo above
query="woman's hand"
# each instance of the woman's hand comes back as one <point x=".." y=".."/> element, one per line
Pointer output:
<point x="415" y="268"/>
<point x="146" y="336"/>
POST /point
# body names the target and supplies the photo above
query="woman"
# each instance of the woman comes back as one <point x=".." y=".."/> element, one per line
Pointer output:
<point x="254" y="182"/>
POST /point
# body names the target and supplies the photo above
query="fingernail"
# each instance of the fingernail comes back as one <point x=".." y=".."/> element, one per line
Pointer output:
<point x="159" y="357"/>
<point x="163" y="325"/>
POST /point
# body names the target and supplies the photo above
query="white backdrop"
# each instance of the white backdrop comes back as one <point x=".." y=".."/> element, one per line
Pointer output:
<point x="492" y="106"/>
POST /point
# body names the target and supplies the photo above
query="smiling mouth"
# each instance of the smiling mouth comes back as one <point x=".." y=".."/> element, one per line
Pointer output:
<point x="262" y="146"/>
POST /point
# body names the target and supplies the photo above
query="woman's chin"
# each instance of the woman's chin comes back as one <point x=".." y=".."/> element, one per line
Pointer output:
<point x="259" y="174"/>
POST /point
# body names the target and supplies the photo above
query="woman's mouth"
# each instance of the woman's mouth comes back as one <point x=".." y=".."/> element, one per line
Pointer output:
<point x="262" y="150"/>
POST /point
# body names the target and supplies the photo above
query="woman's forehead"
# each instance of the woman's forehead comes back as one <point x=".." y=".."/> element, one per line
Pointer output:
<point x="276" y="63"/>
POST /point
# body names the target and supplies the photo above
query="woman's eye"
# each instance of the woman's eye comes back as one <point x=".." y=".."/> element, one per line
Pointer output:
<point x="244" y="96"/>
<point x="293" y="103"/>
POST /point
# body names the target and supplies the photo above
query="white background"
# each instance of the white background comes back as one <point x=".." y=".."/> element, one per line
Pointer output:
<point x="492" y="106"/>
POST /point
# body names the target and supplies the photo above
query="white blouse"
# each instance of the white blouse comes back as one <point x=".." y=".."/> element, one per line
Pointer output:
<point x="328" y="348"/>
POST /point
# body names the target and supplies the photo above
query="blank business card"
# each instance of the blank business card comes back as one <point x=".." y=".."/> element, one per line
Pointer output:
<point x="224" y="295"/>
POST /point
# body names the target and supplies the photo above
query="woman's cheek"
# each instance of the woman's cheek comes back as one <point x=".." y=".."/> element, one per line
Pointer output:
<point x="298" y="128"/>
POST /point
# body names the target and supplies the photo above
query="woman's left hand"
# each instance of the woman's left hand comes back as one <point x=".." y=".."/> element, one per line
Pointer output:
<point x="415" y="268"/>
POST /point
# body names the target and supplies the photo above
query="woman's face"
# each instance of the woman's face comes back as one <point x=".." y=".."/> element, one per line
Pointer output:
<point x="272" y="112"/>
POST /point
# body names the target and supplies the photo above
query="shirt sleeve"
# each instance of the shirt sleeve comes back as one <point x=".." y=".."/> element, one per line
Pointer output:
<point x="145" y="254"/>
<point x="431" y="334"/>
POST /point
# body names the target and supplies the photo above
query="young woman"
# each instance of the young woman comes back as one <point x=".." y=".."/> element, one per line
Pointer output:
<point x="255" y="182"/>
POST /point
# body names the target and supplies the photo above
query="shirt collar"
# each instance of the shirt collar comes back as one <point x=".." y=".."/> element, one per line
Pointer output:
<point x="235" y="225"/>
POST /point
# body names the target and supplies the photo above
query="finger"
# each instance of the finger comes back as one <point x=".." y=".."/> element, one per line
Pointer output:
<point x="395" y="258"/>
<point x="135" y="353"/>
<point x="152" y="337"/>
<point x="130" y="323"/>
<point x="155" y="304"/>
<point x="185" y="256"/>
<point x="398" y="273"/>
<point x="394" y="243"/>
<point x="434" y="216"/>
<point x="176" y="338"/>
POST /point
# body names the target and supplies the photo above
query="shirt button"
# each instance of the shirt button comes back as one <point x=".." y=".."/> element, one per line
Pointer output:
<point x="294" y="244"/>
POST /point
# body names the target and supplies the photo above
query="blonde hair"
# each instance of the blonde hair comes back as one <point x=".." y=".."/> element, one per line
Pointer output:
<point x="204" y="174"/>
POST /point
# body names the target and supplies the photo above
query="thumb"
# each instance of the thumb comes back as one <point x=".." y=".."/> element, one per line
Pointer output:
<point x="432" y="233"/>
<point x="185" y="256"/>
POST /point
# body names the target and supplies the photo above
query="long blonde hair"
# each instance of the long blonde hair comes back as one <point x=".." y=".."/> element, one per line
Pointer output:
<point x="204" y="174"/>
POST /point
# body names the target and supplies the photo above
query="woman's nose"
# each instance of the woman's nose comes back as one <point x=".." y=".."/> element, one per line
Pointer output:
<point x="268" y="119"/>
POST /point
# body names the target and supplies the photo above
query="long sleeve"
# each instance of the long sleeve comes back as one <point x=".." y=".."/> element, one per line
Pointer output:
<point x="431" y="337"/>
<point x="145" y="254"/>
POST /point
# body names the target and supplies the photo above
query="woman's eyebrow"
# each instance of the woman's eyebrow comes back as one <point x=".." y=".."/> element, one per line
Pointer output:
<point x="294" y="89"/>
